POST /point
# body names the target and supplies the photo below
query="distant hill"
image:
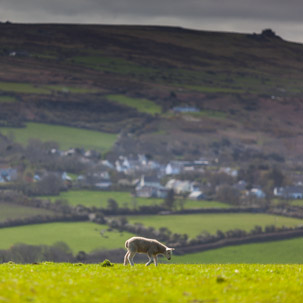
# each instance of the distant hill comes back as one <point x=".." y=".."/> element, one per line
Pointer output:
<point x="246" y="89"/>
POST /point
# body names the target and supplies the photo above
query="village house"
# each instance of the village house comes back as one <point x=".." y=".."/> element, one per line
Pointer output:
<point x="229" y="171"/>
<point x="197" y="166"/>
<point x="289" y="192"/>
<point x="196" y="195"/>
<point x="174" y="168"/>
<point x="240" y="185"/>
<point x="8" y="174"/>
<point x="185" y="109"/>
<point x="103" y="184"/>
<point x="257" y="192"/>
<point x="151" y="192"/>
<point x="66" y="179"/>
<point x="139" y="163"/>
<point x="98" y="180"/>
<point x="177" y="167"/>
<point x="107" y="164"/>
<point x="150" y="187"/>
<point x="181" y="187"/>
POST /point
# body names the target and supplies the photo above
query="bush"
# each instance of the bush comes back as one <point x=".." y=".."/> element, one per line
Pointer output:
<point x="106" y="263"/>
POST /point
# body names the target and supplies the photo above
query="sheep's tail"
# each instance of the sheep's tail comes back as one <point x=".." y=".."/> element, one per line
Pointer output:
<point x="126" y="244"/>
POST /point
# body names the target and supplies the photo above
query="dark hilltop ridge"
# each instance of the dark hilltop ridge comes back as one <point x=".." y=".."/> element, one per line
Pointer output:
<point x="168" y="91"/>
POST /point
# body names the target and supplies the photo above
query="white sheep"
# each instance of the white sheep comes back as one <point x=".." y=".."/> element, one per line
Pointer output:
<point x="151" y="247"/>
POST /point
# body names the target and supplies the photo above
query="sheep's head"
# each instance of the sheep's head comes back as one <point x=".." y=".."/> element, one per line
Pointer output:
<point x="168" y="253"/>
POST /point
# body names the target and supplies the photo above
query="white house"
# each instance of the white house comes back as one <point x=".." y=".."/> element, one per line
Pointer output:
<point x="149" y="181"/>
<point x="181" y="187"/>
<point x="196" y="195"/>
<point x="8" y="174"/>
<point x="107" y="164"/>
<point x="103" y="184"/>
<point x="174" y="168"/>
<point x="149" y="187"/>
<point x="229" y="171"/>
<point x="185" y="109"/>
<point x="289" y="192"/>
<point x="66" y="177"/>
<point x="151" y="192"/>
<point x="257" y="192"/>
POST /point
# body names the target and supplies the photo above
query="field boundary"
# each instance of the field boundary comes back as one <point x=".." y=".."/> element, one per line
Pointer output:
<point x="39" y="219"/>
<point x="265" y="237"/>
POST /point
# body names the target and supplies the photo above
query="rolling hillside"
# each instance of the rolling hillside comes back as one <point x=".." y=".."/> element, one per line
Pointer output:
<point x="127" y="80"/>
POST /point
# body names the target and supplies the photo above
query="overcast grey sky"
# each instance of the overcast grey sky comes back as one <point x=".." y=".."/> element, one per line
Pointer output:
<point x="285" y="17"/>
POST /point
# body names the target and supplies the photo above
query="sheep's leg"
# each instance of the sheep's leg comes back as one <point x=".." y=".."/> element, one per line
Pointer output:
<point x="150" y="259"/>
<point x="126" y="258"/>
<point x="155" y="260"/>
<point x="131" y="257"/>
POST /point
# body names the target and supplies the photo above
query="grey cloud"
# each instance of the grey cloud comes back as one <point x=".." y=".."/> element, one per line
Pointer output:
<point x="259" y="9"/>
<point x="221" y="14"/>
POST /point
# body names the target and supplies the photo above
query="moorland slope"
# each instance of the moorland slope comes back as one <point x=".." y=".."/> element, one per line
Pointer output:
<point x="246" y="87"/>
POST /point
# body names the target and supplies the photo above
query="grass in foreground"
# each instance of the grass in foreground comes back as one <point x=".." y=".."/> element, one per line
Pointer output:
<point x="50" y="282"/>
<point x="78" y="236"/>
<point x="194" y="224"/>
<point x="66" y="137"/>
<point x="273" y="252"/>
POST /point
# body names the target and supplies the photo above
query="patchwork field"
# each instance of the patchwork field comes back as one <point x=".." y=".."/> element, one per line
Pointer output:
<point x="124" y="199"/>
<point x="66" y="137"/>
<point x="48" y="282"/>
<point x="7" y="99"/>
<point x="11" y="211"/>
<point x="28" y="88"/>
<point x="91" y="198"/>
<point x="78" y="236"/>
<point x="273" y="252"/>
<point x="141" y="105"/>
<point x="298" y="202"/>
<point x="194" y="224"/>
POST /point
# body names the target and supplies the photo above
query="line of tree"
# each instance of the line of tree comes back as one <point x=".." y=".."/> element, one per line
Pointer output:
<point x="39" y="219"/>
<point x="60" y="252"/>
<point x="23" y="253"/>
<point x="181" y="240"/>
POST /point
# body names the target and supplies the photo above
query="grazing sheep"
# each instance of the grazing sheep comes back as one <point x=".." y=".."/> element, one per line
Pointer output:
<point x="150" y="247"/>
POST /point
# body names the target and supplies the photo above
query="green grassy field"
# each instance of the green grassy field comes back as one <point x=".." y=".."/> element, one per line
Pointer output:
<point x="124" y="199"/>
<point x="49" y="282"/>
<point x="72" y="90"/>
<point x="66" y="137"/>
<point x="141" y="105"/>
<point x="28" y="88"/>
<point x="196" y="223"/>
<point x="298" y="202"/>
<point x="91" y="198"/>
<point x="7" y="99"/>
<point x="23" y="88"/>
<point x="78" y="236"/>
<point x="12" y="211"/>
<point x="273" y="252"/>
